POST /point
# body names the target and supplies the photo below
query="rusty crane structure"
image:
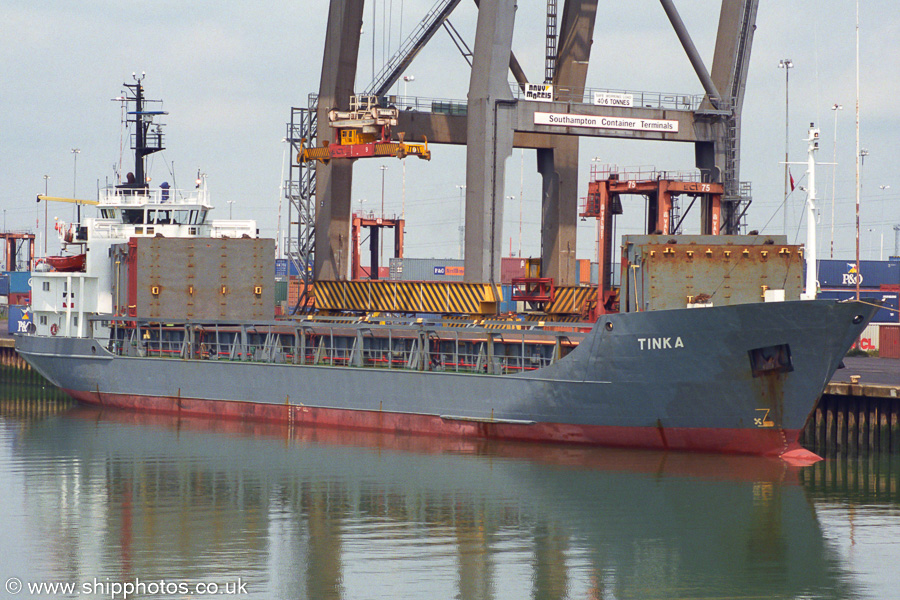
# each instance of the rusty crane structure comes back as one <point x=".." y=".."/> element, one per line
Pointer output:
<point x="498" y="117"/>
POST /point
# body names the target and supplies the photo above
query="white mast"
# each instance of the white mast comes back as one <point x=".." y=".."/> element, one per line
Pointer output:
<point x="857" y="151"/>
<point x="809" y="292"/>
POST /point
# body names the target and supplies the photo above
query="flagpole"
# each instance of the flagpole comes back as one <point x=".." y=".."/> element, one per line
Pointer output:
<point x="786" y="64"/>
<point x="857" y="151"/>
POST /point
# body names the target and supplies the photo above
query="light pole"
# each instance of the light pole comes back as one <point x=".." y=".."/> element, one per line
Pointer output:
<point x="383" y="169"/>
<point x="406" y="80"/>
<point x="862" y="163"/>
<point x="883" y="188"/>
<point x="75" y="153"/>
<point x="835" y="108"/>
<point x="230" y="206"/>
<point x="786" y="64"/>
<point x="361" y="202"/>
<point x="520" y="222"/>
<point x="46" y="213"/>
<point x="462" y="221"/>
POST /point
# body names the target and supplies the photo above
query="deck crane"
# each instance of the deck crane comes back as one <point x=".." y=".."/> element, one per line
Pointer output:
<point x="364" y="132"/>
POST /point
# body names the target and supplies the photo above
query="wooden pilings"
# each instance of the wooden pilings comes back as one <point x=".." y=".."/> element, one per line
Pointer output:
<point x="864" y="479"/>
<point x="19" y="382"/>
<point x="856" y="421"/>
<point x="32" y="404"/>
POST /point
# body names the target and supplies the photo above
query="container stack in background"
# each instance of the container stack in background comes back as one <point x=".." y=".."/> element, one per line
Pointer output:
<point x="288" y="286"/>
<point x="879" y="281"/>
<point x="453" y="269"/>
<point x="15" y="298"/>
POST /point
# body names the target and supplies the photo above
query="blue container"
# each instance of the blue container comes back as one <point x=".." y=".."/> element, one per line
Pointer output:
<point x="4" y="284"/>
<point x="507" y="305"/>
<point x="20" y="318"/>
<point x="842" y="273"/>
<point x="281" y="268"/>
<point x="890" y="311"/>
<point x="19" y="282"/>
<point x="282" y="265"/>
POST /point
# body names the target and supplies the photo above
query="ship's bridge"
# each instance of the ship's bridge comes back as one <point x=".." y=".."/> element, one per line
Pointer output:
<point x="127" y="212"/>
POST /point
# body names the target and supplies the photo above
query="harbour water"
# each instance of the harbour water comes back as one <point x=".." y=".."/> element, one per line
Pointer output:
<point x="176" y="508"/>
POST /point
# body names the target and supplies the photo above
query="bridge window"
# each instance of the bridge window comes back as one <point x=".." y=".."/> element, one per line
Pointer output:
<point x="132" y="216"/>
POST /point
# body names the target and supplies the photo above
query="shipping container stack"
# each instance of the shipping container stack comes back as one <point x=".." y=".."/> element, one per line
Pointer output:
<point x="879" y="281"/>
<point x="15" y="294"/>
<point x="289" y="285"/>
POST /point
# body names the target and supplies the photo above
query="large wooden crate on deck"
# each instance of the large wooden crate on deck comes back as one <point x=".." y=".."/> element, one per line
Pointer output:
<point x="198" y="278"/>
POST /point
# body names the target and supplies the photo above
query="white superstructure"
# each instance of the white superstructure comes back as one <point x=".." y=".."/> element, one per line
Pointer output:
<point x="62" y="299"/>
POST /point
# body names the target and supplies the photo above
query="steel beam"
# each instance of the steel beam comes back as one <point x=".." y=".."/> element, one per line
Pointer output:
<point x="491" y="111"/>
<point x="688" y="44"/>
<point x="559" y="163"/>
<point x="334" y="180"/>
<point x="731" y="61"/>
<point x="451" y="129"/>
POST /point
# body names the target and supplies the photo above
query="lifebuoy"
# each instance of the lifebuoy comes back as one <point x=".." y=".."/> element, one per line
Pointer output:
<point x="54" y="329"/>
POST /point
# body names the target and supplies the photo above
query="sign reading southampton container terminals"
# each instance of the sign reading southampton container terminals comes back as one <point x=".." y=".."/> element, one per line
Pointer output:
<point x="598" y="122"/>
<point x="541" y="92"/>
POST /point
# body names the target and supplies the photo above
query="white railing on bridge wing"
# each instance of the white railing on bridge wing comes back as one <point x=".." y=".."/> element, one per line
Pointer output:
<point x="114" y="230"/>
<point x="112" y="196"/>
<point x="233" y="228"/>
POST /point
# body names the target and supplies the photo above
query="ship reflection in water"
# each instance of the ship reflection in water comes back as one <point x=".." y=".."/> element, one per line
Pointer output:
<point x="304" y="513"/>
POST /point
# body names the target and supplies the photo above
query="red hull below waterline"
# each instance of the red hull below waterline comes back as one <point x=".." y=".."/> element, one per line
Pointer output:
<point x="765" y="442"/>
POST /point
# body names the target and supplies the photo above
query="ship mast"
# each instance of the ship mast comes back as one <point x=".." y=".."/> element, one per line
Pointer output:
<point x="145" y="141"/>
<point x="809" y="292"/>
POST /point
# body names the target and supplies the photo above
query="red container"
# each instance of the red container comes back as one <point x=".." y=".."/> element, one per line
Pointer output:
<point x="511" y="267"/>
<point x="19" y="298"/>
<point x="584" y="271"/>
<point x="295" y="288"/>
<point x="889" y="341"/>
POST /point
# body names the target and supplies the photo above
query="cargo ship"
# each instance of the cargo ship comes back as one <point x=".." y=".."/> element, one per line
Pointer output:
<point x="170" y="315"/>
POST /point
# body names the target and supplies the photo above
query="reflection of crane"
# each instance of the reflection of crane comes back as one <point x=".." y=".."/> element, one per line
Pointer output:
<point x="363" y="132"/>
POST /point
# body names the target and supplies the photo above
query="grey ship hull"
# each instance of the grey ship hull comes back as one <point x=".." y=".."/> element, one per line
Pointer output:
<point x="679" y="379"/>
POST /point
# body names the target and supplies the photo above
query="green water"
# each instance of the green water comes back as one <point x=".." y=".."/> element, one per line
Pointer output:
<point x="102" y="499"/>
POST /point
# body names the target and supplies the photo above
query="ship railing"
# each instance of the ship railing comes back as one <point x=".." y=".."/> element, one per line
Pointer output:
<point x="232" y="228"/>
<point x="344" y="342"/>
<point x="619" y="97"/>
<point x="603" y="97"/>
<point x="120" y="196"/>
<point x="600" y="172"/>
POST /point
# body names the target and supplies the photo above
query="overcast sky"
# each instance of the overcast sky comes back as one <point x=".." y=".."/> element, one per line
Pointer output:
<point x="229" y="72"/>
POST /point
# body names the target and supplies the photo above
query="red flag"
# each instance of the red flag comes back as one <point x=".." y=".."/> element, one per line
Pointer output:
<point x="791" y="175"/>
